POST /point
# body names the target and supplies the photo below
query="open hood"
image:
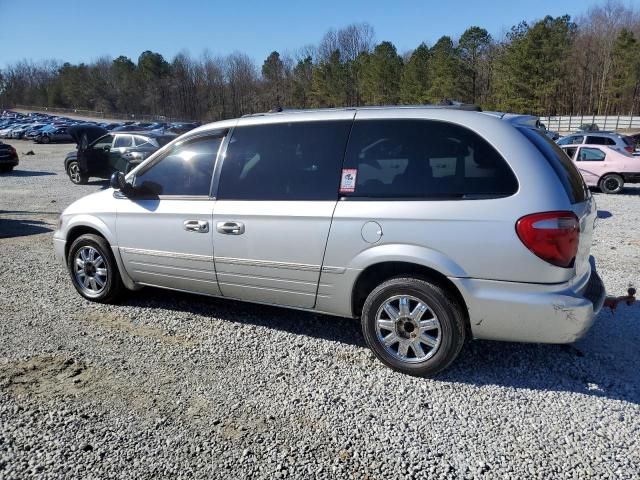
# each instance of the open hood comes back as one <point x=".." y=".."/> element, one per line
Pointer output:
<point x="84" y="134"/>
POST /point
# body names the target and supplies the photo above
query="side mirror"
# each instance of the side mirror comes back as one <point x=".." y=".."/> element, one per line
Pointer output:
<point x="119" y="182"/>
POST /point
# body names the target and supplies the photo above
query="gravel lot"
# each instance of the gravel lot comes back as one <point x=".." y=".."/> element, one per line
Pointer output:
<point x="169" y="384"/>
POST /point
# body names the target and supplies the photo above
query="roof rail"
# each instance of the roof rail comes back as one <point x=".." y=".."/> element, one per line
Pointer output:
<point x="447" y="104"/>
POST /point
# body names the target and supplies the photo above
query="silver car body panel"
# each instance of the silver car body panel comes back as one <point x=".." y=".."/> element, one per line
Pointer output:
<point x="310" y="254"/>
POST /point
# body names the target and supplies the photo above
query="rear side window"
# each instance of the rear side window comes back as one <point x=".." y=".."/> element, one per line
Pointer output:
<point x="593" y="140"/>
<point x="565" y="169"/>
<point x="629" y="141"/>
<point x="186" y="169"/>
<point x="424" y="159"/>
<point x="145" y="142"/>
<point x="285" y="161"/>
<point x="122" y="141"/>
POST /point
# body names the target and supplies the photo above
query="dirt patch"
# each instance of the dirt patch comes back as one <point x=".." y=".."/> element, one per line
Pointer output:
<point x="124" y="324"/>
<point x="48" y="375"/>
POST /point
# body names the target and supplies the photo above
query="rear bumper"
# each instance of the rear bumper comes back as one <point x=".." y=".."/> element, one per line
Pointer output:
<point x="522" y="312"/>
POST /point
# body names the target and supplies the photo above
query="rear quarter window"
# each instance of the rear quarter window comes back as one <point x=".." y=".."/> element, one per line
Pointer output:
<point x="424" y="159"/>
<point x="566" y="171"/>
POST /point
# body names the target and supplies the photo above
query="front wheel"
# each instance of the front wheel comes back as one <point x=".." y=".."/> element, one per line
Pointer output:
<point x="413" y="326"/>
<point x="93" y="269"/>
<point x="611" y="183"/>
<point x="75" y="174"/>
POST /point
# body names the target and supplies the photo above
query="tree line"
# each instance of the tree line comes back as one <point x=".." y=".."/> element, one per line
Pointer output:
<point x="553" y="66"/>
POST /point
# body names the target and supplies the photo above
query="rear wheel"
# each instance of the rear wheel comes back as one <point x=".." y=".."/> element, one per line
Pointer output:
<point x="45" y="139"/>
<point x="94" y="272"/>
<point x="612" y="183"/>
<point x="75" y="174"/>
<point x="413" y="326"/>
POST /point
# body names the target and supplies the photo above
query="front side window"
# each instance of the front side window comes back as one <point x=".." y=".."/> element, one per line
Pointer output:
<point x="103" y="143"/>
<point x="424" y="159"/>
<point x="186" y="169"/>
<point x="591" y="155"/>
<point x="572" y="140"/>
<point x="284" y="161"/>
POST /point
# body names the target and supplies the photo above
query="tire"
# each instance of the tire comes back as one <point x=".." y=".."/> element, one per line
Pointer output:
<point x="98" y="268"/>
<point x="6" y="168"/>
<point x="45" y="139"/>
<point x="611" y="183"/>
<point x="75" y="175"/>
<point x="445" y="340"/>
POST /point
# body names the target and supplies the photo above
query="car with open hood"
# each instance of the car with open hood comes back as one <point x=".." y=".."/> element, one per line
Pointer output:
<point x="100" y="152"/>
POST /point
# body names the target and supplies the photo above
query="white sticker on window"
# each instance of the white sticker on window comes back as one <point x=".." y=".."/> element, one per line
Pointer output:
<point x="348" y="180"/>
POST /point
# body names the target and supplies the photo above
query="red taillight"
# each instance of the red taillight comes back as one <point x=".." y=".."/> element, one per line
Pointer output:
<point x="12" y="150"/>
<point x="552" y="236"/>
<point x="629" y="149"/>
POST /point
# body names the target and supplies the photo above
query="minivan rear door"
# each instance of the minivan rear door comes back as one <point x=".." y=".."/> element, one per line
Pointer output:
<point x="276" y="194"/>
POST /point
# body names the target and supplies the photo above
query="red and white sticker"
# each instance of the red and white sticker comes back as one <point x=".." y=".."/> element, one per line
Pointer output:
<point x="348" y="180"/>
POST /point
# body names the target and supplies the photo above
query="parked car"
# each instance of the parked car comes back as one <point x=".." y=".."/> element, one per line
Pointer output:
<point x="589" y="127"/>
<point x="604" y="167"/>
<point x="99" y="153"/>
<point x="8" y="158"/>
<point x="429" y="224"/>
<point x="180" y="128"/>
<point x="55" y="134"/>
<point x="618" y="142"/>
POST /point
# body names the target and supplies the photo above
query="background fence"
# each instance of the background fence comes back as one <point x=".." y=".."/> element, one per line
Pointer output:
<point x="571" y="123"/>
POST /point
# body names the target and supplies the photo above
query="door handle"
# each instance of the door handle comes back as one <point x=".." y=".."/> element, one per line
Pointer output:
<point x="199" y="226"/>
<point x="230" y="228"/>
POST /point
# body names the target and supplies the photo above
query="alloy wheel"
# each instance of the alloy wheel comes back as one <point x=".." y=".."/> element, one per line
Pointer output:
<point x="408" y="328"/>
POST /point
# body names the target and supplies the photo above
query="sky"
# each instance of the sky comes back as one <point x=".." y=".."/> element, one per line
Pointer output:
<point x="83" y="30"/>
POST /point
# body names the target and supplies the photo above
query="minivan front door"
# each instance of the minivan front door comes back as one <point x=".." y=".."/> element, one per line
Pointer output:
<point x="277" y="191"/>
<point x="164" y="227"/>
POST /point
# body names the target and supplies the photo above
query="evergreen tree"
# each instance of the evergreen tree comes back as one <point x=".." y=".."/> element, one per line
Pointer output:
<point x="329" y="85"/>
<point x="381" y="74"/>
<point x="445" y="71"/>
<point x="302" y="82"/>
<point x="416" y="77"/>
<point x="624" y="85"/>
<point x="273" y="74"/>
<point x="473" y="46"/>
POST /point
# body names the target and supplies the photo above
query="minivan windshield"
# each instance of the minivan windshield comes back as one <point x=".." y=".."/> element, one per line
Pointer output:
<point x="567" y="172"/>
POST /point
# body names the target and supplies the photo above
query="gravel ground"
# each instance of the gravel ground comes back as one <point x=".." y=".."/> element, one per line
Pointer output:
<point x="169" y="384"/>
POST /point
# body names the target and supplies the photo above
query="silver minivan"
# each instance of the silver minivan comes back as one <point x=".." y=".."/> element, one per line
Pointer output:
<point x="431" y="225"/>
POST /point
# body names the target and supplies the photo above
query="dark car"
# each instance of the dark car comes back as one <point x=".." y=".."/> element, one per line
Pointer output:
<point x="100" y="153"/>
<point x="55" y="134"/>
<point x="8" y="158"/>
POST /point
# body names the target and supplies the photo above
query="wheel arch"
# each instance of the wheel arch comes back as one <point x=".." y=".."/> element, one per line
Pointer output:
<point x="83" y="227"/>
<point x="374" y="274"/>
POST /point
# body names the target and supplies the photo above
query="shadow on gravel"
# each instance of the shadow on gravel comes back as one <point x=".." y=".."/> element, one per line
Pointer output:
<point x="603" y="364"/>
<point x="10" y="227"/>
<point x="602" y="214"/>
<point x="593" y="367"/>
<point x="337" y="329"/>
<point x="27" y="173"/>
